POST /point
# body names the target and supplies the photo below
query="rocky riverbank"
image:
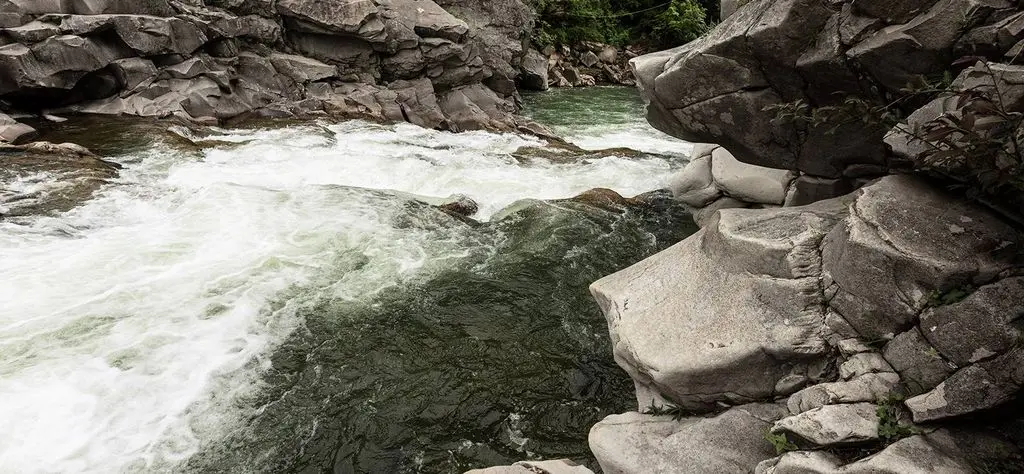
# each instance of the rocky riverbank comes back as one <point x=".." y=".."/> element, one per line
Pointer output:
<point x="452" y="65"/>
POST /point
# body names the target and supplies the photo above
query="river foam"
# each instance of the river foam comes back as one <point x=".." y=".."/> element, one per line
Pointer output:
<point x="131" y="325"/>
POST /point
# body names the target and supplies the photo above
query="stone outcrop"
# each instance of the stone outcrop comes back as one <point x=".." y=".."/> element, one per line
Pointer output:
<point x="217" y="60"/>
<point x="726" y="87"/>
<point x="838" y="309"/>
<point x="728" y="443"/>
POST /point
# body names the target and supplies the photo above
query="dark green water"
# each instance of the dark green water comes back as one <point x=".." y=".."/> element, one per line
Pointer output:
<point x="502" y="358"/>
<point x="281" y="299"/>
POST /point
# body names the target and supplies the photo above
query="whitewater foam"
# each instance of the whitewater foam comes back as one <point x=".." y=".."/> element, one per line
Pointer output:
<point x="130" y="324"/>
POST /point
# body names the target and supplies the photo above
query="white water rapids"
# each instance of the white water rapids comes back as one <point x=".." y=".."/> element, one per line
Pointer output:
<point x="129" y="324"/>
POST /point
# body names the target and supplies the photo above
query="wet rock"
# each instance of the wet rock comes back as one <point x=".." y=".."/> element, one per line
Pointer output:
<point x="12" y="131"/>
<point x="460" y="205"/>
<point x="66" y="175"/>
<point x="832" y="425"/>
<point x="728" y="443"/>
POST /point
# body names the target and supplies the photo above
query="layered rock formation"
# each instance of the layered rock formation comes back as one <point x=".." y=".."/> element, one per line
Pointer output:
<point x="827" y="332"/>
<point x="830" y="310"/>
<point x="217" y="60"/>
<point x="725" y="87"/>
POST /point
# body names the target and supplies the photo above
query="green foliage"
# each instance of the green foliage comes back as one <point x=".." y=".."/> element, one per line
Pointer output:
<point x="683" y="21"/>
<point x="890" y="410"/>
<point x="676" y="412"/>
<point x="780" y="442"/>
<point x="662" y="23"/>
<point x="956" y="295"/>
<point x="978" y="143"/>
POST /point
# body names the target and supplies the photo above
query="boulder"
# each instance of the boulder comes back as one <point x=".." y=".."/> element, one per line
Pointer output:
<point x="745" y="315"/>
<point x="904" y="241"/>
<point x="865" y="388"/>
<point x="749" y="183"/>
<point x="14" y="132"/>
<point x="302" y="69"/>
<point x="33" y="32"/>
<point x="728" y="443"/>
<point x="863" y="364"/>
<point x="694" y="185"/>
<point x="832" y="425"/>
<point x="534" y="71"/>
<point x="733" y="85"/>
<point x="972" y="389"/>
<point x="589" y="59"/>
<point x="706" y="215"/>
<point x="145" y="35"/>
<point x="58" y="62"/>
<point x="919" y="364"/>
<point x="982" y="325"/>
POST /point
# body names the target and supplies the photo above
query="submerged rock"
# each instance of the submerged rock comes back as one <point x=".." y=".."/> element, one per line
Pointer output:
<point x="43" y="177"/>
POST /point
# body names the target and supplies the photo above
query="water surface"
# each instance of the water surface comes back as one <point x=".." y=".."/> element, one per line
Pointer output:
<point x="284" y="300"/>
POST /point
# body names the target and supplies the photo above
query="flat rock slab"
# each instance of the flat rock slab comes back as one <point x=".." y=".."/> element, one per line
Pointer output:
<point x="831" y="425"/>
<point x="562" y="466"/>
<point x="728" y="443"/>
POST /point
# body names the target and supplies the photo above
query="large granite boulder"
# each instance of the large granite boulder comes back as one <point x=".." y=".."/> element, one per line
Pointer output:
<point x="727" y="86"/>
<point x="745" y="316"/>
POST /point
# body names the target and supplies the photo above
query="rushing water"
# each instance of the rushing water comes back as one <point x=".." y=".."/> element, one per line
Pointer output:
<point x="283" y="300"/>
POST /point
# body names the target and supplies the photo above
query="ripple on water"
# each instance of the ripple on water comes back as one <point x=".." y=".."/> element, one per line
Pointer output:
<point x="282" y="298"/>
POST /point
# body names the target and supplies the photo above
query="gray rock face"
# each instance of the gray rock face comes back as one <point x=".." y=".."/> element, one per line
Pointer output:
<point x="746" y="314"/>
<point x="728" y="443"/>
<point x="872" y="278"/>
<point x="721" y="88"/>
<point x="980" y="326"/>
<point x="832" y="425"/>
<point x="903" y="241"/>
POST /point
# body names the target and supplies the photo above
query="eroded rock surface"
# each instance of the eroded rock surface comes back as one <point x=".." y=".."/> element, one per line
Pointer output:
<point x="841" y="308"/>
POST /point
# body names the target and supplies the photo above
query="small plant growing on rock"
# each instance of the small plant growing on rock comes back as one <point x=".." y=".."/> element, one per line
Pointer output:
<point x="890" y="410"/>
<point x="780" y="442"/>
<point x="676" y="412"/>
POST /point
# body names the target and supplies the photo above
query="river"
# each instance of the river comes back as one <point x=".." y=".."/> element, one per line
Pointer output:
<point x="282" y="300"/>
